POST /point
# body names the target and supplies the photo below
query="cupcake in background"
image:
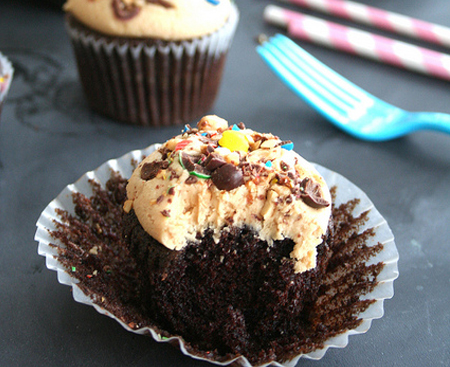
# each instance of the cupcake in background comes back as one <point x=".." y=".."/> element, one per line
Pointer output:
<point x="6" y="74"/>
<point x="151" y="63"/>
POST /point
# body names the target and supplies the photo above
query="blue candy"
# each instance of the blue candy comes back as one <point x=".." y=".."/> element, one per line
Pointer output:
<point x="288" y="146"/>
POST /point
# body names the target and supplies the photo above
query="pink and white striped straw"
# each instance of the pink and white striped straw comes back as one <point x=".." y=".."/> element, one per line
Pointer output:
<point x="359" y="42"/>
<point x="390" y="21"/>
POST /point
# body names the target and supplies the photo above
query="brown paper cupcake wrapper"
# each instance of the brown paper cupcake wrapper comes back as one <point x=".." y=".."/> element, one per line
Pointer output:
<point x="345" y="191"/>
<point x="151" y="83"/>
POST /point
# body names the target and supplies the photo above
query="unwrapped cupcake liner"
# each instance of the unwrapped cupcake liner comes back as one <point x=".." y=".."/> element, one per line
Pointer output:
<point x="6" y="75"/>
<point x="152" y="83"/>
<point x="125" y="165"/>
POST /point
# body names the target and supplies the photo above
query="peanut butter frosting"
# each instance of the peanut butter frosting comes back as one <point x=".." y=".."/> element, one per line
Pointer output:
<point x="161" y="19"/>
<point x="216" y="176"/>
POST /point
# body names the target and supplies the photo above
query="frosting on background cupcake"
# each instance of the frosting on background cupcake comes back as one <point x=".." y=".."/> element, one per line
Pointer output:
<point x="217" y="176"/>
<point x="162" y="19"/>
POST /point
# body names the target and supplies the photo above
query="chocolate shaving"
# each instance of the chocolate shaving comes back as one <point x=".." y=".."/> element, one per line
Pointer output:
<point x="284" y="142"/>
<point x="214" y="161"/>
<point x="252" y="170"/>
<point x="164" y="152"/>
<point x="210" y="148"/>
<point x="257" y="217"/>
<point x="190" y="162"/>
<point x="284" y="166"/>
<point x="166" y="213"/>
<point x="191" y="180"/>
<point x="227" y="177"/>
<point x="259" y="137"/>
<point x="163" y="3"/>
<point x="283" y="179"/>
<point x="229" y="220"/>
<point x="202" y="170"/>
<point x="206" y="139"/>
<point x="150" y="170"/>
<point x="173" y="174"/>
<point x="191" y="130"/>
<point x="124" y="11"/>
<point x="312" y="195"/>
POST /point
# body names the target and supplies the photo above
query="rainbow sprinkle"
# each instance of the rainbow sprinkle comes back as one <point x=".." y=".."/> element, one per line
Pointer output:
<point x="214" y="2"/>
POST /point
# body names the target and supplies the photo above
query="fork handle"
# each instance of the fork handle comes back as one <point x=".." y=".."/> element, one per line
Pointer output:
<point x="435" y="121"/>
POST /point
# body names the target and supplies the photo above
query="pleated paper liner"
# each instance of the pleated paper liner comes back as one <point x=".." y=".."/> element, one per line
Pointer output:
<point x="151" y="82"/>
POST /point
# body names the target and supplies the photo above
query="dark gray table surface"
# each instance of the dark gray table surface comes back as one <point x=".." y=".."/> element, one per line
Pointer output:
<point x="49" y="138"/>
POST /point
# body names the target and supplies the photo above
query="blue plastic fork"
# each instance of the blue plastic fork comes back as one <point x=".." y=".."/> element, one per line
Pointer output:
<point x="346" y="105"/>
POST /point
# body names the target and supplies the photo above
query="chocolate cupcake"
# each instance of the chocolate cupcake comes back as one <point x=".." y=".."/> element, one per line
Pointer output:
<point x="151" y="63"/>
<point x="220" y="219"/>
<point x="6" y="75"/>
<point x="226" y="243"/>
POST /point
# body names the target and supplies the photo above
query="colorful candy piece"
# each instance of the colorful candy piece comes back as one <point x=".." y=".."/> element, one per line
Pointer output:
<point x="234" y="141"/>
<point x="269" y="164"/>
<point x="182" y="144"/>
<point x="227" y="177"/>
<point x="214" y="2"/>
<point x="235" y="128"/>
<point x="200" y="175"/>
<point x="288" y="146"/>
<point x="191" y="167"/>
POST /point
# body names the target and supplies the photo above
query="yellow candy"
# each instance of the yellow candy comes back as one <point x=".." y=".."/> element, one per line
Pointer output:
<point x="234" y="140"/>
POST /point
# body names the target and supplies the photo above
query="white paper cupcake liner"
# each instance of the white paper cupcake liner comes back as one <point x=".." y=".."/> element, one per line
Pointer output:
<point x="345" y="191"/>
<point x="157" y="84"/>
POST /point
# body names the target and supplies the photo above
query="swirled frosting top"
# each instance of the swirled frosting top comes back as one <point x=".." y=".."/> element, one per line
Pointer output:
<point x="215" y="176"/>
<point x="161" y="19"/>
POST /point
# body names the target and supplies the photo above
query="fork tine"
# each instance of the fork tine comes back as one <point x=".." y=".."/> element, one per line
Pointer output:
<point x="302" y="84"/>
<point x="349" y="92"/>
<point x="312" y="68"/>
<point x="314" y="79"/>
